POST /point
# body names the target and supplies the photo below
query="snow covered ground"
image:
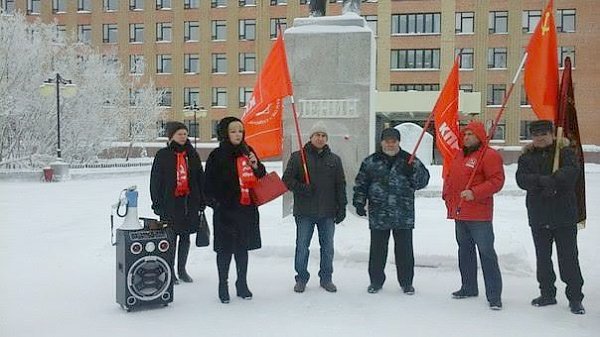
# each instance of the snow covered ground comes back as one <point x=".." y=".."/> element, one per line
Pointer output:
<point x="58" y="278"/>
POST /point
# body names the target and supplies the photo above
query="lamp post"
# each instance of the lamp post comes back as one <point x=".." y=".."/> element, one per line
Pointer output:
<point x="187" y="110"/>
<point x="69" y="91"/>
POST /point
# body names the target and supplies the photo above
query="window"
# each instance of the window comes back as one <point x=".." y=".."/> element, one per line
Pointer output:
<point x="136" y="5"/>
<point x="166" y="97"/>
<point x="247" y="62"/>
<point x="563" y="52"/>
<point x="497" y="58"/>
<point x="465" y="23"/>
<point x="524" y="98"/>
<point x="84" y="33"/>
<point x="7" y="6"/>
<point x="134" y="96"/>
<point x="278" y="2"/>
<point x="191" y="63"/>
<point x="500" y="132"/>
<point x="219" y="97"/>
<point x="218" y="3"/>
<point x="275" y="22"/>
<point x="421" y="23"/>
<point x="466" y="87"/>
<point x="163" y="32"/>
<point x="219" y="30"/>
<point x="524" y="133"/>
<point x="163" y="63"/>
<point x="303" y="2"/>
<point x="371" y="22"/>
<point x="415" y="87"/>
<point x="219" y="63"/>
<point x="60" y="33"/>
<point x="109" y="32"/>
<point x="498" y="22"/>
<point x="191" y="96"/>
<point x="245" y="95"/>
<point x="136" y="64"/>
<point x="415" y="59"/>
<point x="111" y="5"/>
<point x="34" y="6"/>
<point x="136" y="32"/>
<point x="163" y="4"/>
<point x="248" y="29"/>
<point x="84" y="5"/>
<point x="565" y="20"/>
<point x="495" y="94"/>
<point x="466" y="58"/>
<point x="530" y="20"/>
<point x="59" y="6"/>
<point x="191" y="31"/>
<point x="247" y="3"/>
<point x="214" y="128"/>
<point x="189" y="4"/>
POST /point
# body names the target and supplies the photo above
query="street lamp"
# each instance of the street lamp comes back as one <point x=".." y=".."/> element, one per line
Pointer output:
<point x="195" y="109"/>
<point x="69" y="89"/>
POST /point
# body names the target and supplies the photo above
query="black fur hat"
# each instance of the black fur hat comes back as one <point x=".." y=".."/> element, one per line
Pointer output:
<point x="541" y="126"/>
<point x="223" y="127"/>
<point x="172" y="127"/>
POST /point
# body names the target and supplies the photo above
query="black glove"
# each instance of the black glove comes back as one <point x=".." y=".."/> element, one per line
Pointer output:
<point x="548" y="186"/>
<point x="340" y="215"/>
<point x="306" y="189"/>
<point x="156" y="209"/>
<point x="202" y="208"/>
<point x="212" y="203"/>
<point x="408" y="169"/>
<point x="360" y="210"/>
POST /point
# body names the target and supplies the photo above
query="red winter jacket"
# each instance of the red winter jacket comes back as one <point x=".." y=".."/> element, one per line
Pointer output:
<point x="488" y="180"/>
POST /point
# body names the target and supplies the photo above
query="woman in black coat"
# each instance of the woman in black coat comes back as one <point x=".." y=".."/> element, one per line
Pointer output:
<point x="176" y="189"/>
<point x="235" y="218"/>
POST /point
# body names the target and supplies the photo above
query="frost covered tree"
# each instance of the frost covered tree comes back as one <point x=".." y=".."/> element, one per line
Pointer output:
<point x="97" y="114"/>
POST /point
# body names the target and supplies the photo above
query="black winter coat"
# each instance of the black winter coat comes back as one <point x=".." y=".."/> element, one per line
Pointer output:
<point x="236" y="226"/>
<point x="327" y="193"/>
<point x="180" y="212"/>
<point x="551" y="200"/>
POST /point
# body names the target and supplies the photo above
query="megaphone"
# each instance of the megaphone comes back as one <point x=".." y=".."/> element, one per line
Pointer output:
<point x="129" y="198"/>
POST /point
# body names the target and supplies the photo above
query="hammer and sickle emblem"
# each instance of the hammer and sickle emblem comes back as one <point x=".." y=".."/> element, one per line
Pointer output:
<point x="545" y="27"/>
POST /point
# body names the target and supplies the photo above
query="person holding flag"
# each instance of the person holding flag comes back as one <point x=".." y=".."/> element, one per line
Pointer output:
<point x="471" y="206"/>
<point x="552" y="212"/>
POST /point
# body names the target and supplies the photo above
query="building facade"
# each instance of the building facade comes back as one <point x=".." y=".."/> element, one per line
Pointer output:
<point x="208" y="52"/>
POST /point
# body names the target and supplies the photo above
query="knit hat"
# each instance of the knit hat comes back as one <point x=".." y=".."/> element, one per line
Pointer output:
<point x="541" y="126"/>
<point x="478" y="129"/>
<point x="172" y="127"/>
<point x="390" y="133"/>
<point x="318" y="127"/>
<point x="223" y="127"/>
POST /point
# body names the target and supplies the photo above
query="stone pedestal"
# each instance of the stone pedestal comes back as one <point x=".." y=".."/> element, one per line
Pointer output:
<point x="410" y="133"/>
<point x="332" y="65"/>
<point x="60" y="170"/>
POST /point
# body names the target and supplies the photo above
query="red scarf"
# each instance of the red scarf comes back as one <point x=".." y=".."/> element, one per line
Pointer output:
<point x="183" y="185"/>
<point x="247" y="179"/>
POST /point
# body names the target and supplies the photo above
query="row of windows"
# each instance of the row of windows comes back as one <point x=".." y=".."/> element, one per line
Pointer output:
<point x="430" y="58"/>
<point x="191" y="63"/>
<point x="191" y="96"/>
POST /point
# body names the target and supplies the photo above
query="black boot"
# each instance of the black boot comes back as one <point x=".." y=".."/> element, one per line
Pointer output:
<point x="223" y="261"/>
<point x="183" y="250"/>
<point x="241" y="284"/>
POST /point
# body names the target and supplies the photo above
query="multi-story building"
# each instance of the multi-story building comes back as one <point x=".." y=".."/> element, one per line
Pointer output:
<point x="209" y="51"/>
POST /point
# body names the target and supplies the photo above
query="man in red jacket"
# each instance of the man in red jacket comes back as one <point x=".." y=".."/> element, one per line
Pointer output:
<point x="472" y="209"/>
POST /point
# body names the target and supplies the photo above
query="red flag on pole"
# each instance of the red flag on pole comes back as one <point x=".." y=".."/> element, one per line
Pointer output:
<point x="541" y="67"/>
<point x="567" y="119"/>
<point x="445" y="114"/>
<point x="263" y="115"/>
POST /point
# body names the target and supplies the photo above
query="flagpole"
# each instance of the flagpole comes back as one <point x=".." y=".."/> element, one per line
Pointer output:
<point x="492" y="129"/>
<point x="414" y="153"/>
<point x="302" y="153"/>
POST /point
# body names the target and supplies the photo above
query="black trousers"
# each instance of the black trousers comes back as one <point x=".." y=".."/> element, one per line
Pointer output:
<point x="568" y="261"/>
<point x="403" y="251"/>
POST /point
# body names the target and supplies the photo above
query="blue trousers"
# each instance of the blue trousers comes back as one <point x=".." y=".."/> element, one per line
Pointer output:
<point x="304" y="230"/>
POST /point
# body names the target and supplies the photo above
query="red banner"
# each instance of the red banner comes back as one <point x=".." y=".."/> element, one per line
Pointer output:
<point x="541" y="67"/>
<point x="445" y="114"/>
<point x="263" y="115"/>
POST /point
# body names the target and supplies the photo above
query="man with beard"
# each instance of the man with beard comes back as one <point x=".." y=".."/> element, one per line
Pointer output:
<point x="386" y="183"/>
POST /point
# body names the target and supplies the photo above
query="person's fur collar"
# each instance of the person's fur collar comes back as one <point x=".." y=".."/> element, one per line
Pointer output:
<point x="564" y="142"/>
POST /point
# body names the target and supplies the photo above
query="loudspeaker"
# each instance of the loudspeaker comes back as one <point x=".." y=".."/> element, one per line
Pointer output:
<point x="144" y="267"/>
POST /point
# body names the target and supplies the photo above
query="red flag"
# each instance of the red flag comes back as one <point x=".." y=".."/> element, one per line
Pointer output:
<point x="567" y="119"/>
<point x="263" y="115"/>
<point x="445" y="113"/>
<point x="541" y="67"/>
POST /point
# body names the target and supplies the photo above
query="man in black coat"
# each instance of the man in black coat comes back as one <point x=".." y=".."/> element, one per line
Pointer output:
<point x="321" y="203"/>
<point x="552" y="210"/>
